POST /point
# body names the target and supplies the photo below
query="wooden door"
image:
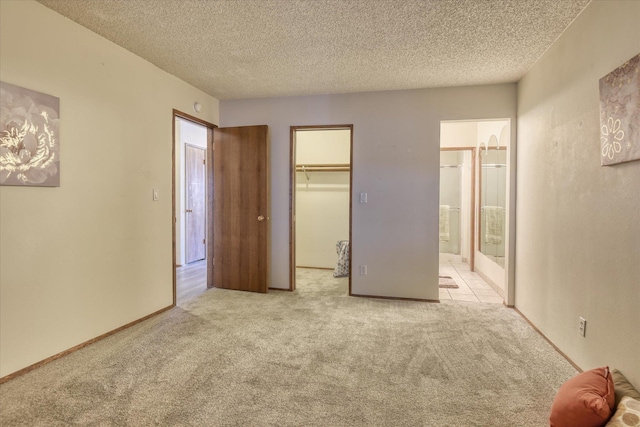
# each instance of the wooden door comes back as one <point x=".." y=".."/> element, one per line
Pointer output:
<point x="240" y="209"/>
<point x="195" y="228"/>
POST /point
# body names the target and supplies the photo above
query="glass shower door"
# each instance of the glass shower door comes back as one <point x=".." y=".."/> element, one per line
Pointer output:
<point x="450" y="189"/>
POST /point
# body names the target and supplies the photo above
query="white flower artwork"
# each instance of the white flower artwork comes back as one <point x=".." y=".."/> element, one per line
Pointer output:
<point x="29" y="137"/>
<point x="620" y="114"/>
<point x="612" y="138"/>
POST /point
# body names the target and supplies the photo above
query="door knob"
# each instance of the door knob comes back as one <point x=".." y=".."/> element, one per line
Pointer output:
<point x="260" y="218"/>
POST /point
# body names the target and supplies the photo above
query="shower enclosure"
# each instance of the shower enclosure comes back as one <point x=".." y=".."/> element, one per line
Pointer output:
<point x="450" y="201"/>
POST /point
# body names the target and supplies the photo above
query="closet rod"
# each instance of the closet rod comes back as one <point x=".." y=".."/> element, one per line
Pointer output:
<point x="450" y="166"/>
<point x="323" y="168"/>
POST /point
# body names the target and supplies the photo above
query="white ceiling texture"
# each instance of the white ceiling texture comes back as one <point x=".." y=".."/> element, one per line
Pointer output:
<point x="234" y="49"/>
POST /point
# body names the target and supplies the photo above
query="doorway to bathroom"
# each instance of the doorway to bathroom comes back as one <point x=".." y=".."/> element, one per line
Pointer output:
<point x="457" y="198"/>
<point x="473" y="209"/>
<point x="320" y="205"/>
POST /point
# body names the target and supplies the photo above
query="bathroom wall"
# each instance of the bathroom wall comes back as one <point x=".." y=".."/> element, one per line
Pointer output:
<point x="458" y="134"/>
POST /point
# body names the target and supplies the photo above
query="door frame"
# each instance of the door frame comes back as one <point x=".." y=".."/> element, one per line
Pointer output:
<point x="472" y="219"/>
<point x="292" y="197"/>
<point x="175" y="114"/>
<point x="187" y="192"/>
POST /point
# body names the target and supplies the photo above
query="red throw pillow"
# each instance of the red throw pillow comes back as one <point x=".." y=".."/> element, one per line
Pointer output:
<point x="585" y="400"/>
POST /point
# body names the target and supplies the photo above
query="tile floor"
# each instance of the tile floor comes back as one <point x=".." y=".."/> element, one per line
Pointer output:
<point x="472" y="287"/>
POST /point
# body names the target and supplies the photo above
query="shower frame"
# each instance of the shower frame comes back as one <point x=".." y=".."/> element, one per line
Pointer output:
<point x="472" y="214"/>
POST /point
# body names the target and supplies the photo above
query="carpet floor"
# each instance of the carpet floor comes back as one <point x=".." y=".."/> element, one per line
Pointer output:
<point x="314" y="357"/>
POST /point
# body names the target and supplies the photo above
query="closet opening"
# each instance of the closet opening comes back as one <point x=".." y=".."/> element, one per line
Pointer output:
<point x="320" y="208"/>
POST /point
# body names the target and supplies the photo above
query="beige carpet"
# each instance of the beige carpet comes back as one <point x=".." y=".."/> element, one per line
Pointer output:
<point x="315" y="357"/>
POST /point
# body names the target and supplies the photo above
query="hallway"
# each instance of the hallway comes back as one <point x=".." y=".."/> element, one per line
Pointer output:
<point x="191" y="281"/>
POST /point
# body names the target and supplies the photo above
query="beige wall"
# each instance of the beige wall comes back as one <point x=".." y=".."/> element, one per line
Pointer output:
<point x="578" y="227"/>
<point x="94" y="254"/>
<point x="396" y="143"/>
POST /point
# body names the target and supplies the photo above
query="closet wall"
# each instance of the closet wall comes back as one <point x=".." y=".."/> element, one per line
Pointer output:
<point x="322" y="198"/>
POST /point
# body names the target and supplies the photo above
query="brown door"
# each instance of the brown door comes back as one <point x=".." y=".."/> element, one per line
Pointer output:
<point x="240" y="209"/>
<point x="195" y="203"/>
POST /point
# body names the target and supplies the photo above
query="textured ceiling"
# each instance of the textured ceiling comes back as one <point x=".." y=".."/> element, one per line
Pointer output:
<point x="250" y="49"/>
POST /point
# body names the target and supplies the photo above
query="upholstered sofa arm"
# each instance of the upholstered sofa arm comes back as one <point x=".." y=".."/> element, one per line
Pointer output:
<point x="623" y="387"/>
<point x="627" y="398"/>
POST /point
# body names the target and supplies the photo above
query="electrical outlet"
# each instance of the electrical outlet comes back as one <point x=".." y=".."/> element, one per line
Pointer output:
<point x="582" y="327"/>
<point x="363" y="270"/>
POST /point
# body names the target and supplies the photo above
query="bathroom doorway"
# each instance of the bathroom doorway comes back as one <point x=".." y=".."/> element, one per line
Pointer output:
<point x="320" y="204"/>
<point x="474" y="208"/>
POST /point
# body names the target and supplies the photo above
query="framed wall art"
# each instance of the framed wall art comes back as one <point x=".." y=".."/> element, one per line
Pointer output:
<point x="620" y="114"/>
<point x="29" y="137"/>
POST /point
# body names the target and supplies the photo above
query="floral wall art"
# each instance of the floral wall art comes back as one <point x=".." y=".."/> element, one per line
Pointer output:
<point x="29" y="137"/>
<point x="620" y="114"/>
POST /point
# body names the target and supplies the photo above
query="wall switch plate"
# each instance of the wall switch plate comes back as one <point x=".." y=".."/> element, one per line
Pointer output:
<point x="363" y="270"/>
<point x="363" y="197"/>
<point x="155" y="194"/>
<point x="582" y="327"/>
